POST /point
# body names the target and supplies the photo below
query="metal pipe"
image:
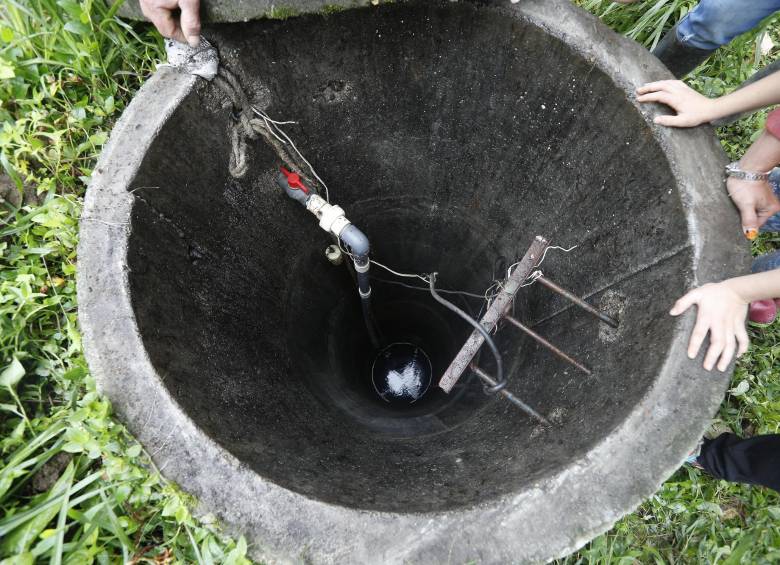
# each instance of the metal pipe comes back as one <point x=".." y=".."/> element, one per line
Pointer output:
<point x="497" y="310"/>
<point x="547" y="344"/>
<point x="508" y="395"/>
<point x="333" y="221"/>
<point x="578" y="301"/>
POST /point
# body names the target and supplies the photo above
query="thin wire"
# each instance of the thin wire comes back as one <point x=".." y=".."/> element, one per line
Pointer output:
<point x="292" y="144"/>
<point x="500" y="381"/>
<point x="396" y="273"/>
<point x="498" y="286"/>
<point x="532" y="278"/>
<point x="490" y="293"/>
<point x="276" y="122"/>
<point x="544" y="255"/>
<point x="271" y="129"/>
<point x="385" y="267"/>
<point x="425" y="289"/>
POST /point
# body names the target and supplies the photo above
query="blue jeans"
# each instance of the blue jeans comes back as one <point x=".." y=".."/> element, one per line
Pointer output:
<point x="712" y="23"/>
<point x="770" y="261"/>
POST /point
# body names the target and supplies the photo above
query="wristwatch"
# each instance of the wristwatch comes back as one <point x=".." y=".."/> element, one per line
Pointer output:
<point x="733" y="170"/>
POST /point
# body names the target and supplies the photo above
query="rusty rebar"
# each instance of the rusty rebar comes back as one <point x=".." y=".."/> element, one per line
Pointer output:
<point x="571" y="360"/>
<point x="508" y="395"/>
<point x="497" y="310"/>
<point x="578" y="301"/>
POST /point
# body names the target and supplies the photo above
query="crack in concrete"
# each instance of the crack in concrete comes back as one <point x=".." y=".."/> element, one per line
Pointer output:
<point x="661" y="258"/>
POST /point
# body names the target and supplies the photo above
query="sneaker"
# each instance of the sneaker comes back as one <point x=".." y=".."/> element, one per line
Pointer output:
<point x="762" y="311"/>
<point x="693" y="456"/>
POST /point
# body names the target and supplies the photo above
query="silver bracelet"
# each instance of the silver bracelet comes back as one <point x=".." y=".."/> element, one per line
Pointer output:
<point x="733" y="170"/>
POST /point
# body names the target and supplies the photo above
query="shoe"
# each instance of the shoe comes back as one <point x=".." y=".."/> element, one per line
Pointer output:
<point x="679" y="58"/>
<point x="762" y="311"/>
<point x="693" y="456"/>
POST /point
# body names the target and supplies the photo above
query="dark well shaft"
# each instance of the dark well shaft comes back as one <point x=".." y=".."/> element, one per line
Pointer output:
<point x="508" y="395"/>
<point x="578" y="301"/>
<point x="548" y="345"/>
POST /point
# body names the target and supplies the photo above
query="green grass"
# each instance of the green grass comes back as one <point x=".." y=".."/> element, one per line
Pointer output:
<point x="68" y="69"/>
<point x="75" y="487"/>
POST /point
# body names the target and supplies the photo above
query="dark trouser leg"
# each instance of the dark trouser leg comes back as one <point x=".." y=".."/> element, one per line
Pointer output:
<point x="754" y="461"/>
<point x="678" y="57"/>
<point x="710" y="24"/>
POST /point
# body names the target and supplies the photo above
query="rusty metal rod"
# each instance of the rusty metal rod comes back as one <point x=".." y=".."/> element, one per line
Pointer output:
<point x="578" y="301"/>
<point x="508" y="395"/>
<point x="571" y="360"/>
<point x="497" y="309"/>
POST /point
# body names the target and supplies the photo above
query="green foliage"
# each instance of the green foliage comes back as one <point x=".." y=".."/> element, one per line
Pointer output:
<point x="282" y="12"/>
<point x="66" y="67"/>
<point x="75" y="487"/>
<point x="694" y="518"/>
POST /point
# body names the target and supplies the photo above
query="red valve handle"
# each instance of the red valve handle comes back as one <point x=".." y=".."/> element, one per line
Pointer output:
<point x="294" y="180"/>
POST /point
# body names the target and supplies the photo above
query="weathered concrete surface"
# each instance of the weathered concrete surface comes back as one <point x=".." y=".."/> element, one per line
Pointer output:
<point x="452" y="133"/>
<point x="216" y="11"/>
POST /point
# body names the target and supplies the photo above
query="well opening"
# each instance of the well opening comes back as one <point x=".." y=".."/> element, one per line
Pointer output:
<point x="452" y="135"/>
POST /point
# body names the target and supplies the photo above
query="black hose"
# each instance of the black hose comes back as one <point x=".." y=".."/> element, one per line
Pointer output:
<point x="500" y="381"/>
<point x="368" y="318"/>
<point x="364" y="289"/>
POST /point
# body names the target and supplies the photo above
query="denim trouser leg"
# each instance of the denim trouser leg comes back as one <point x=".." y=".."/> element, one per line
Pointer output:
<point x="713" y="23"/>
<point x="770" y="261"/>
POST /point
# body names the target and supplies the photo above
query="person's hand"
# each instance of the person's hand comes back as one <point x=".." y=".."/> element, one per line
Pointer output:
<point x="721" y="312"/>
<point x="756" y="202"/>
<point x="692" y="108"/>
<point x="176" y="19"/>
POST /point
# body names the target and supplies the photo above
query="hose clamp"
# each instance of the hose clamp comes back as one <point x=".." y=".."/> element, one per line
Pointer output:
<point x="362" y="268"/>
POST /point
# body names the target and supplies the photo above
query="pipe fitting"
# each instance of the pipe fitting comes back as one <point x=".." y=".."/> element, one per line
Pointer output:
<point x="355" y="241"/>
<point x="331" y="217"/>
<point x="292" y="186"/>
<point x="334" y="255"/>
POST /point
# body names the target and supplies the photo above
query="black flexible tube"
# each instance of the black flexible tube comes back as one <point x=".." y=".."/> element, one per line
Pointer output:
<point x="364" y="289"/>
<point x="500" y="381"/>
<point x="368" y="318"/>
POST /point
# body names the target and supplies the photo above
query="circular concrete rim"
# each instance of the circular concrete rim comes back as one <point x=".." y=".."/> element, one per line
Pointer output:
<point x="559" y="514"/>
<point x="226" y="11"/>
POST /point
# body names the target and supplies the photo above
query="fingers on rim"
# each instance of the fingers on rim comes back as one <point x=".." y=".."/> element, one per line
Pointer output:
<point x="660" y="96"/>
<point x="728" y="352"/>
<point x="749" y="216"/>
<point x="669" y="120"/>
<point x="742" y="338"/>
<point x="684" y="302"/>
<point x="697" y="337"/>
<point x="190" y="17"/>
<point x="653" y="86"/>
<point x="717" y="345"/>
<point x="164" y="23"/>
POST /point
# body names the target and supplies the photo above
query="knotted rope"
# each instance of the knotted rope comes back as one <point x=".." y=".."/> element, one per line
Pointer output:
<point x="251" y="124"/>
